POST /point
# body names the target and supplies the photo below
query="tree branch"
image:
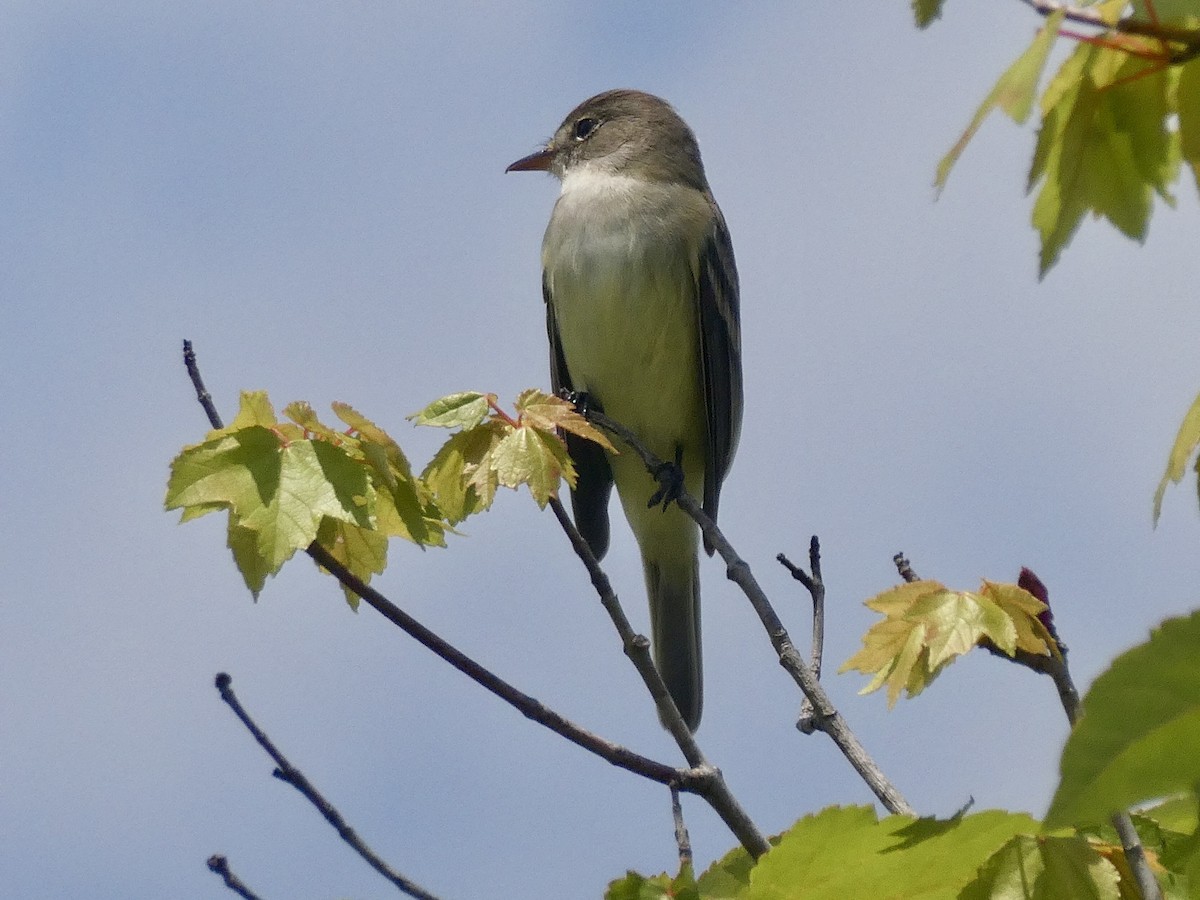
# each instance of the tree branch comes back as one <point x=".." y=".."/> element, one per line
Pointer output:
<point x="816" y="589"/>
<point x="701" y="778"/>
<point x="713" y="788"/>
<point x="293" y="776"/>
<point x="827" y="718"/>
<point x="1188" y="37"/>
<point x="220" y="865"/>
<point x="1056" y="667"/>
<point x="682" y="841"/>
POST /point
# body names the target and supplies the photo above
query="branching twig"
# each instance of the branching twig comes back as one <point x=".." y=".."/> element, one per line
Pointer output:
<point x="816" y="589"/>
<point x="293" y="776"/>
<point x="1188" y="37"/>
<point x="1056" y="667"/>
<point x="702" y="778"/>
<point x="220" y="865"/>
<point x="903" y="567"/>
<point x="682" y="841"/>
<point x="637" y="648"/>
<point x="828" y="719"/>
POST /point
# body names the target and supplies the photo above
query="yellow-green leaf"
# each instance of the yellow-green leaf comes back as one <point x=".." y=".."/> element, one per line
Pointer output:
<point x="361" y="550"/>
<point x="1185" y="445"/>
<point x="547" y="412"/>
<point x="463" y="410"/>
<point x="1013" y="93"/>
<point x="1187" y="104"/>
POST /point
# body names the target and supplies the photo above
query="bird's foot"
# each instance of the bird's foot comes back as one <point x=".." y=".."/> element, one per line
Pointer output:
<point x="583" y="402"/>
<point x="669" y="476"/>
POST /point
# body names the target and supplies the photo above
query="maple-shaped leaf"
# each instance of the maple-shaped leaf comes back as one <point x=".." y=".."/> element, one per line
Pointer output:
<point x="447" y="474"/>
<point x="1103" y="147"/>
<point x="547" y="412"/>
<point x="287" y="484"/>
<point x="1028" y="615"/>
<point x="1050" y="866"/>
<point x="926" y="626"/>
<point x="535" y="458"/>
<point x="494" y="449"/>
<point x="316" y="479"/>
<point x="415" y="517"/>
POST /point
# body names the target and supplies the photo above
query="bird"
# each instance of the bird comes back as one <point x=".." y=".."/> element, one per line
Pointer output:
<point x="643" y="319"/>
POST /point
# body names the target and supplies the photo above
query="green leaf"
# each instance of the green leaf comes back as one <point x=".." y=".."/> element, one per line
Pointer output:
<point x="244" y="544"/>
<point x="1180" y="813"/>
<point x="315" y="480"/>
<point x="1185" y="445"/>
<point x="1187" y="104"/>
<point x="844" y="853"/>
<point x="254" y="408"/>
<point x="465" y="410"/>
<point x="547" y="413"/>
<point x="728" y="877"/>
<point x="1139" y="736"/>
<point x="1103" y="147"/>
<point x="238" y="471"/>
<point x="925" y="11"/>
<point x="1045" y="868"/>
<point x="638" y="887"/>
<point x="408" y="500"/>
<point x="1013" y="93"/>
<point x="449" y="473"/>
<point x="361" y="550"/>
<point x="528" y="456"/>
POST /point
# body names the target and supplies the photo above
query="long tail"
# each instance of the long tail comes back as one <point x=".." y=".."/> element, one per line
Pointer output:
<point x="674" y="592"/>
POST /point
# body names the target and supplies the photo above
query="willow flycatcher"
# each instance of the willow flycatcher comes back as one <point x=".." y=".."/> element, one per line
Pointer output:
<point x="641" y="299"/>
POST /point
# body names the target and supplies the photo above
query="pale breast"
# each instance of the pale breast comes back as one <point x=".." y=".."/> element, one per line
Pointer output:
<point x="619" y="263"/>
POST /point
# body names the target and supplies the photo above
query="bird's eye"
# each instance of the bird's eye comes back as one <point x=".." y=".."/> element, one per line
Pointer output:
<point x="584" y="127"/>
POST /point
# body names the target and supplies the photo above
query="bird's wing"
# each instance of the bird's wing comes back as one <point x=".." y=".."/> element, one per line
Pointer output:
<point x="721" y="358"/>
<point x="589" y="499"/>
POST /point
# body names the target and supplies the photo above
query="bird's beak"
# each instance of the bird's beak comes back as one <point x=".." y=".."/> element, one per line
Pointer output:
<point x="534" y="162"/>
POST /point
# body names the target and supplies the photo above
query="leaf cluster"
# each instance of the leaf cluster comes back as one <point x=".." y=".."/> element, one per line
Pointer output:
<point x="286" y="484"/>
<point x="1117" y="118"/>
<point x="1138" y="740"/>
<point x="926" y="626"/>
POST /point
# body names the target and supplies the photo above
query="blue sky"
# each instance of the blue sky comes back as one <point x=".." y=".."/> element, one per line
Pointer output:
<point x="314" y="194"/>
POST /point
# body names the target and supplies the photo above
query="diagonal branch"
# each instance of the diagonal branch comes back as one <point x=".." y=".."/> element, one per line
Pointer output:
<point x="1058" y="671"/>
<point x="700" y="778"/>
<point x="1188" y="37"/>
<point x="637" y="648"/>
<point x="293" y="776"/>
<point x="827" y="718"/>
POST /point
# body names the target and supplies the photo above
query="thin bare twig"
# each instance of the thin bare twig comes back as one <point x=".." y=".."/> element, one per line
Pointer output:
<point x="682" y="841"/>
<point x="1188" y="37"/>
<point x="701" y="778"/>
<point x="202" y="394"/>
<point x="828" y="719"/>
<point x="903" y="567"/>
<point x="1056" y="667"/>
<point x="713" y="787"/>
<point x="293" y="776"/>
<point x="526" y="705"/>
<point x="220" y="865"/>
<point x="815" y="585"/>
